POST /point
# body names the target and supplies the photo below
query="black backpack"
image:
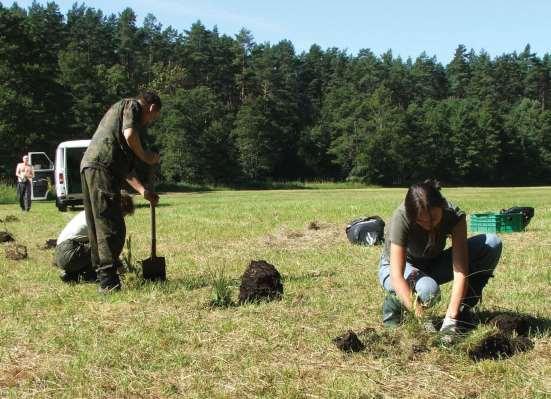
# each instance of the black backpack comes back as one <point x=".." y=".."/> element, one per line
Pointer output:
<point x="527" y="213"/>
<point x="366" y="231"/>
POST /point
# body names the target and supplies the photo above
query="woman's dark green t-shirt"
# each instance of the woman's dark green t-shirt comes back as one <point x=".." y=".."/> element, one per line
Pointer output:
<point x="421" y="247"/>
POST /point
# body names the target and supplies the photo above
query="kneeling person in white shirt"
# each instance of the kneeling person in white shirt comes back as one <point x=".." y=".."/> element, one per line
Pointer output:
<point x="72" y="252"/>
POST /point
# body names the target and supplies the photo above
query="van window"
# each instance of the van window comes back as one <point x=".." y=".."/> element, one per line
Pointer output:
<point x="74" y="156"/>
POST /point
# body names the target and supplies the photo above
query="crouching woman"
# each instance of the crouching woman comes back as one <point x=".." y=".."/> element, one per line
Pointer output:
<point x="415" y="262"/>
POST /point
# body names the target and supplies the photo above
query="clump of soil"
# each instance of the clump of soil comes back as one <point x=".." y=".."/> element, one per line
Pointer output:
<point x="49" y="244"/>
<point x="11" y="218"/>
<point x="416" y="350"/>
<point x="314" y="225"/>
<point x="509" y="324"/>
<point x="499" y="346"/>
<point x="349" y="342"/>
<point x="260" y="281"/>
<point x="16" y="252"/>
<point x="6" y="237"/>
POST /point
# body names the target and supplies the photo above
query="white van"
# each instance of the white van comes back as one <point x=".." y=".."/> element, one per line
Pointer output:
<point x="68" y="187"/>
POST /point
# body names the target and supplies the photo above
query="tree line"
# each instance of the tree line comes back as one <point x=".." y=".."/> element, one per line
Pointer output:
<point x="237" y="111"/>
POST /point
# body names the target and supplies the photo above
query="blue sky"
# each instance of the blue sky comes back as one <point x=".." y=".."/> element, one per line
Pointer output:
<point x="406" y="27"/>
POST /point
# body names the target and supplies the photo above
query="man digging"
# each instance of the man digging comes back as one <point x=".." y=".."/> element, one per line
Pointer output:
<point x="108" y="161"/>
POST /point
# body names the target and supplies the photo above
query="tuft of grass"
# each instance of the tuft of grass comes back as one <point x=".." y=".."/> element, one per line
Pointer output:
<point x="222" y="288"/>
<point x="128" y="263"/>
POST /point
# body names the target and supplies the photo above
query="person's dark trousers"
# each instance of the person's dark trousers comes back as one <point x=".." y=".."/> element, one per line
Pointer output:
<point x="106" y="228"/>
<point x="24" y="195"/>
<point x="74" y="259"/>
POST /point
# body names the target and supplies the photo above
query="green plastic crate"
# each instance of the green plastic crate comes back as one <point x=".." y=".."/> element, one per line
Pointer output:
<point x="492" y="222"/>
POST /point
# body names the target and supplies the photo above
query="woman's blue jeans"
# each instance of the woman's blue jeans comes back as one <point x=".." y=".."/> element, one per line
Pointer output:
<point x="484" y="254"/>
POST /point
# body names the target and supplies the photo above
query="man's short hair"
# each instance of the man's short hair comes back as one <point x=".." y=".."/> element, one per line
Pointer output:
<point x="151" y="98"/>
<point x="127" y="204"/>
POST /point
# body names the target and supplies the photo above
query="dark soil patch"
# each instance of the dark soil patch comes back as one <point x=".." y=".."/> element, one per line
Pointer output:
<point x="260" y="281"/>
<point x="509" y="324"/>
<point x="521" y="323"/>
<point x="314" y="225"/>
<point x="11" y="218"/>
<point x="16" y="252"/>
<point x="6" y="237"/>
<point x="499" y="346"/>
<point x="49" y="244"/>
<point x="349" y="342"/>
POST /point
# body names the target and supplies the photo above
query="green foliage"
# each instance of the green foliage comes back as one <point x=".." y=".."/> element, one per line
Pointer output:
<point x="129" y="265"/>
<point x="222" y="288"/>
<point x="7" y="193"/>
<point x="237" y="111"/>
<point x="194" y="138"/>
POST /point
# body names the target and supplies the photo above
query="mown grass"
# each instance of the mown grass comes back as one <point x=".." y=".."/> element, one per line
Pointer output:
<point x="154" y="340"/>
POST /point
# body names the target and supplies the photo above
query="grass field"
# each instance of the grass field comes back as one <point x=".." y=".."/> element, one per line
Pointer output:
<point x="152" y="341"/>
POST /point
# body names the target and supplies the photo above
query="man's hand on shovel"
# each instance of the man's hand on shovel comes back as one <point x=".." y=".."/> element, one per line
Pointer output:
<point x="151" y="196"/>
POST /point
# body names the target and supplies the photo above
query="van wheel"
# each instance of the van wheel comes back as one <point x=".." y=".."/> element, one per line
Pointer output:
<point x="61" y="206"/>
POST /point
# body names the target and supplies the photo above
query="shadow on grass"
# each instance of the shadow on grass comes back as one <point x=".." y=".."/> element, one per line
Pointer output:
<point x="523" y="323"/>
<point x="307" y="276"/>
<point x="146" y="205"/>
<point x="264" y="185"/>
<point x="198" y="188"/>
<point x="181" y="188"/>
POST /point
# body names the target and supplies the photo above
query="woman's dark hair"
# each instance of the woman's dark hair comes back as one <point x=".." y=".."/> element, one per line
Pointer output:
<point x="152" y="99"/>
<point x="421" y="197"/>
<point x="127" y="204"/>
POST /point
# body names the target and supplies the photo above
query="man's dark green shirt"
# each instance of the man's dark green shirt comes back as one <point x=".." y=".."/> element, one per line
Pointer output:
<point x="108" y="149"/>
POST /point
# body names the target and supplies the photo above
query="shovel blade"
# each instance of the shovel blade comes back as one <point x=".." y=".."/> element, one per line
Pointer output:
<point x="154" y="269"/>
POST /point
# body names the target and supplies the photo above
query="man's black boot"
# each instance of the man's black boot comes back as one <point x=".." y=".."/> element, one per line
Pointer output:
<point x="69" y="278"/>
<point x="109" y="280"/>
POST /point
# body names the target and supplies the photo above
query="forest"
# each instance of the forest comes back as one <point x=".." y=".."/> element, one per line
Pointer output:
<point x="236" y="111"/>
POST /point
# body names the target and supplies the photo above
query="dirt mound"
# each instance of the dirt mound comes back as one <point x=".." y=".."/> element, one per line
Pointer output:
<point x="314" y="225"/>
<point x="260" y="281"/>
<point x="6" y="237"/>
<point x="349" y="342"/>
<point x="509" y="324"/>
<point x="49" y="244"/>
<point x="315" y="234"/>
<point x="16" y="252"/>
<point x="499" y="346"/>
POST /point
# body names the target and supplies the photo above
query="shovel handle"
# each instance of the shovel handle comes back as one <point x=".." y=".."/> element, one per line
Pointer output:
<point x="153" y="232"/>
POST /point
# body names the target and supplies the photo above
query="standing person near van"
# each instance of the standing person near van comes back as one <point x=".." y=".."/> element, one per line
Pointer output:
<point x="108" y="161"/>
<point x="25" y="173"/>
<point x="414" y="263"/>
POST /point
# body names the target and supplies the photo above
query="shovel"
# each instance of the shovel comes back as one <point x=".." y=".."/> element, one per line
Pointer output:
<point x="154" y="268"/>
